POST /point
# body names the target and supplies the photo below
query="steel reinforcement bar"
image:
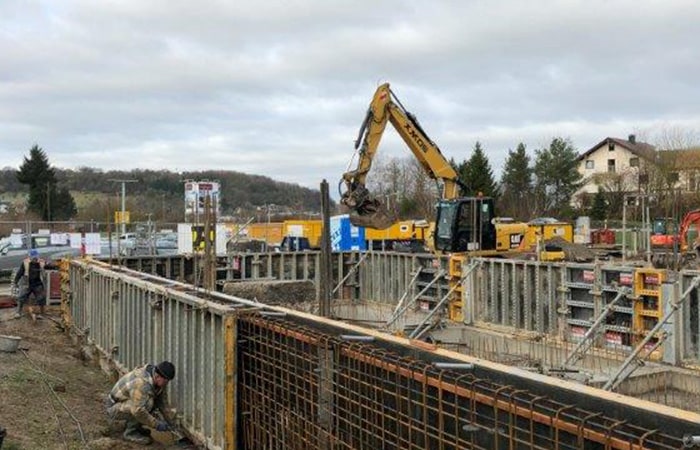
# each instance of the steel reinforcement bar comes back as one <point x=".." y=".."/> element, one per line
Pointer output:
<point x="252" y="376"/>
<point x="300" y="389"/>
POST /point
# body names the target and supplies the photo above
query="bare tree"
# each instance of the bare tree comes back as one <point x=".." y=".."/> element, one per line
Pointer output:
<point x="668" y="178"/>
<point x="423" y="189"/>
<point x="403" y="185"/>
<point x="614" y="186"/>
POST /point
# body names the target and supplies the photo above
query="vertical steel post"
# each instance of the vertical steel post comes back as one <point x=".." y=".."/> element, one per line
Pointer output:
<point x="326" y="271"/>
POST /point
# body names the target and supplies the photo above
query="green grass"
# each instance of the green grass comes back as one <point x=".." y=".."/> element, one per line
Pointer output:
<point x="20" y="376"/>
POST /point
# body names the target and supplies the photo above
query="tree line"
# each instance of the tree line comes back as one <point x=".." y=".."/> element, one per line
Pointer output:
<point x="528" y="187"/>
<point x="93" y="194"/>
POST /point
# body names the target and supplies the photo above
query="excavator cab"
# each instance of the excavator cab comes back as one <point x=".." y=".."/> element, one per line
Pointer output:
<point x="464" y="225"/>
<point x="664" y="233"/>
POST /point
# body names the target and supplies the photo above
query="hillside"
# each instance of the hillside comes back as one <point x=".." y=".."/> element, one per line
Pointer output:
<point x="161" y="193"/>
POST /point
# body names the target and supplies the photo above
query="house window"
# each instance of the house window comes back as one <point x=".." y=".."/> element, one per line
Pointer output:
<point x="590" y="164"/>
<point x="634" y="162"/>
<point x="673" y="177"/>
<point x="611" y="165"/>
<point x="611" y="146"/>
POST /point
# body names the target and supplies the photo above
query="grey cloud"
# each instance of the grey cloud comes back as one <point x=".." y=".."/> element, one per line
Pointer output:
<point x="279" y="88"/>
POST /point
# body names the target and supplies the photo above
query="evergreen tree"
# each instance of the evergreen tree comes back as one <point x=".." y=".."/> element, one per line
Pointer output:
<point x="63" y="205"/>
<point x="462" y="170"/>
<point x="516" y="184"/>
<point x="45" y="199"/>
<point x="599" y="209"/>
<point x="36" y="172"/>
<point x="479" y="175"/>
<point x="557" y="177"/>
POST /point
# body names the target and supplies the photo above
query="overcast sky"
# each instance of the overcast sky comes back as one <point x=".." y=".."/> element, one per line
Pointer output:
<point x="279" y="88"/>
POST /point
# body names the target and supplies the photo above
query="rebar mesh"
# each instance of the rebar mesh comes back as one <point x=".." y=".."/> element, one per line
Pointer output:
<point x="302" y="389"/>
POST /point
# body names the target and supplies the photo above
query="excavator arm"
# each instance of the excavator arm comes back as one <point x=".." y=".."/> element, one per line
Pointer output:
<point x="367" y="210"/>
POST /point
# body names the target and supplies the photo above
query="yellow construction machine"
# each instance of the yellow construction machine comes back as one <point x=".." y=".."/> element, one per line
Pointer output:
<point x="463" y="225"/>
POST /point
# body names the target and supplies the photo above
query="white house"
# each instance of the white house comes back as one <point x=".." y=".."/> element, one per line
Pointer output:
<point x="621" y="165"/>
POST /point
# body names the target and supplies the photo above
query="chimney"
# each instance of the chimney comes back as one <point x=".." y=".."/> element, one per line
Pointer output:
<point x="632" y="139"/>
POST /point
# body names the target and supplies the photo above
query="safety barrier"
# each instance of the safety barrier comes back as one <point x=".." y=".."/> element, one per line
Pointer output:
<point x="252" y="376"/>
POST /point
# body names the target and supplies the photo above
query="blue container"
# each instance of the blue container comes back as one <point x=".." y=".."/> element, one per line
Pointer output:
<point x="345" y="236"/>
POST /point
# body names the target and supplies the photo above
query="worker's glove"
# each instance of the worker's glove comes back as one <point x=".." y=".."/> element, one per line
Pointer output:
<point x="162" y="426"/>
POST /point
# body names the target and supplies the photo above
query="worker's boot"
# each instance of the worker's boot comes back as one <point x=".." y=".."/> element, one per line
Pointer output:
<point x="133" y="434"/>
<point x="143" y="431"/>
<point x="20" y="306"/>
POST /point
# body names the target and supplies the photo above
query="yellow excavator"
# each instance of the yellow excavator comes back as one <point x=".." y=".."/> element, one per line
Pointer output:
<point x="462" y="224"/>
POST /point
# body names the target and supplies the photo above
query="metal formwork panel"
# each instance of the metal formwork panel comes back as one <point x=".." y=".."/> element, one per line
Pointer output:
<point x="134" y="321"/>
<point x="515" y="293"/>
<point x="690" y="313"/>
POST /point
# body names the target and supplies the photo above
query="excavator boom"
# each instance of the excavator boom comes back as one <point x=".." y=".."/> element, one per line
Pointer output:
<point x="367" y="210"/>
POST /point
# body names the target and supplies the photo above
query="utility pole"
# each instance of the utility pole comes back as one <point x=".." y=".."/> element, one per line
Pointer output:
<point x="326" y="276"/>
<point x="123" y="182"/>
<point x="48" y="201"/>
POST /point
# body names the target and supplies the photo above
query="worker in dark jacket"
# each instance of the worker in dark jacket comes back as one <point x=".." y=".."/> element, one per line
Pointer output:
<point x="31" y="273"/>
<point x="140" y="398"/>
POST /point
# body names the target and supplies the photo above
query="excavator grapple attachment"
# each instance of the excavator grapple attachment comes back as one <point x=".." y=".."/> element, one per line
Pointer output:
<point x="365" y="210"/>
<point x="375" y="216"/>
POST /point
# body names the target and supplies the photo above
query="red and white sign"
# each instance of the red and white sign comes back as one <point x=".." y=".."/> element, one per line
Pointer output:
<point x="578" y="332"/>
<point x="612" y="337"/>
<point x="195" y="195"/>
<point x="626" y="278"/>
<point x="651" y="278"/>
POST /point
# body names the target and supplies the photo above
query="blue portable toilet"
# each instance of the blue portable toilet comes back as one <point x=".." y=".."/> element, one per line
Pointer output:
<point x="346" y="236"/>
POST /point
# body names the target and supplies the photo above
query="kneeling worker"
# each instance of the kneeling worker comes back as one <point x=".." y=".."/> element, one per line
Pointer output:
<point x="138" y="397"/>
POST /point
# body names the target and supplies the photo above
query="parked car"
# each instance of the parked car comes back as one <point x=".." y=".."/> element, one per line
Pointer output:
<point x="5" y="246"/>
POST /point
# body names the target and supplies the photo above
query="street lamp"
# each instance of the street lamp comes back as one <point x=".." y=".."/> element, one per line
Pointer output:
<point x="123" y="182"/>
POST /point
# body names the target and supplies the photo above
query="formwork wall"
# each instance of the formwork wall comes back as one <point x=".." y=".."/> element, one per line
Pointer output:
<point x="563" y="301"/>
<point x="251" y="376"/>
<point x="552" y="300"/>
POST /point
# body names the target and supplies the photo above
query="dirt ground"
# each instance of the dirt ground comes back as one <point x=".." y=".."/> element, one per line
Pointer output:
<point x="50" y="396"/>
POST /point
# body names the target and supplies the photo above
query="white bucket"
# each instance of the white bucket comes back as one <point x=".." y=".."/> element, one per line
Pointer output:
<point x="9" y="343"/>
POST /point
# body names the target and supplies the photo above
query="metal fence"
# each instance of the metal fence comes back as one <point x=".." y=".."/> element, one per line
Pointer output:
<point x="252" y="377"/>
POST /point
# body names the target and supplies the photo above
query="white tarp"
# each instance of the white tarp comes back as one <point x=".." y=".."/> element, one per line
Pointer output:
<point x="76" y="240"/>
<point x="92" y="244"/>
<point x="16" y="240"/>
<point x="59" y="238"/>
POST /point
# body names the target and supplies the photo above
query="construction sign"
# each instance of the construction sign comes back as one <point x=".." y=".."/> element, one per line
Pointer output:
<point x="119" y="218"/>
<point x="199" y="238"/>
